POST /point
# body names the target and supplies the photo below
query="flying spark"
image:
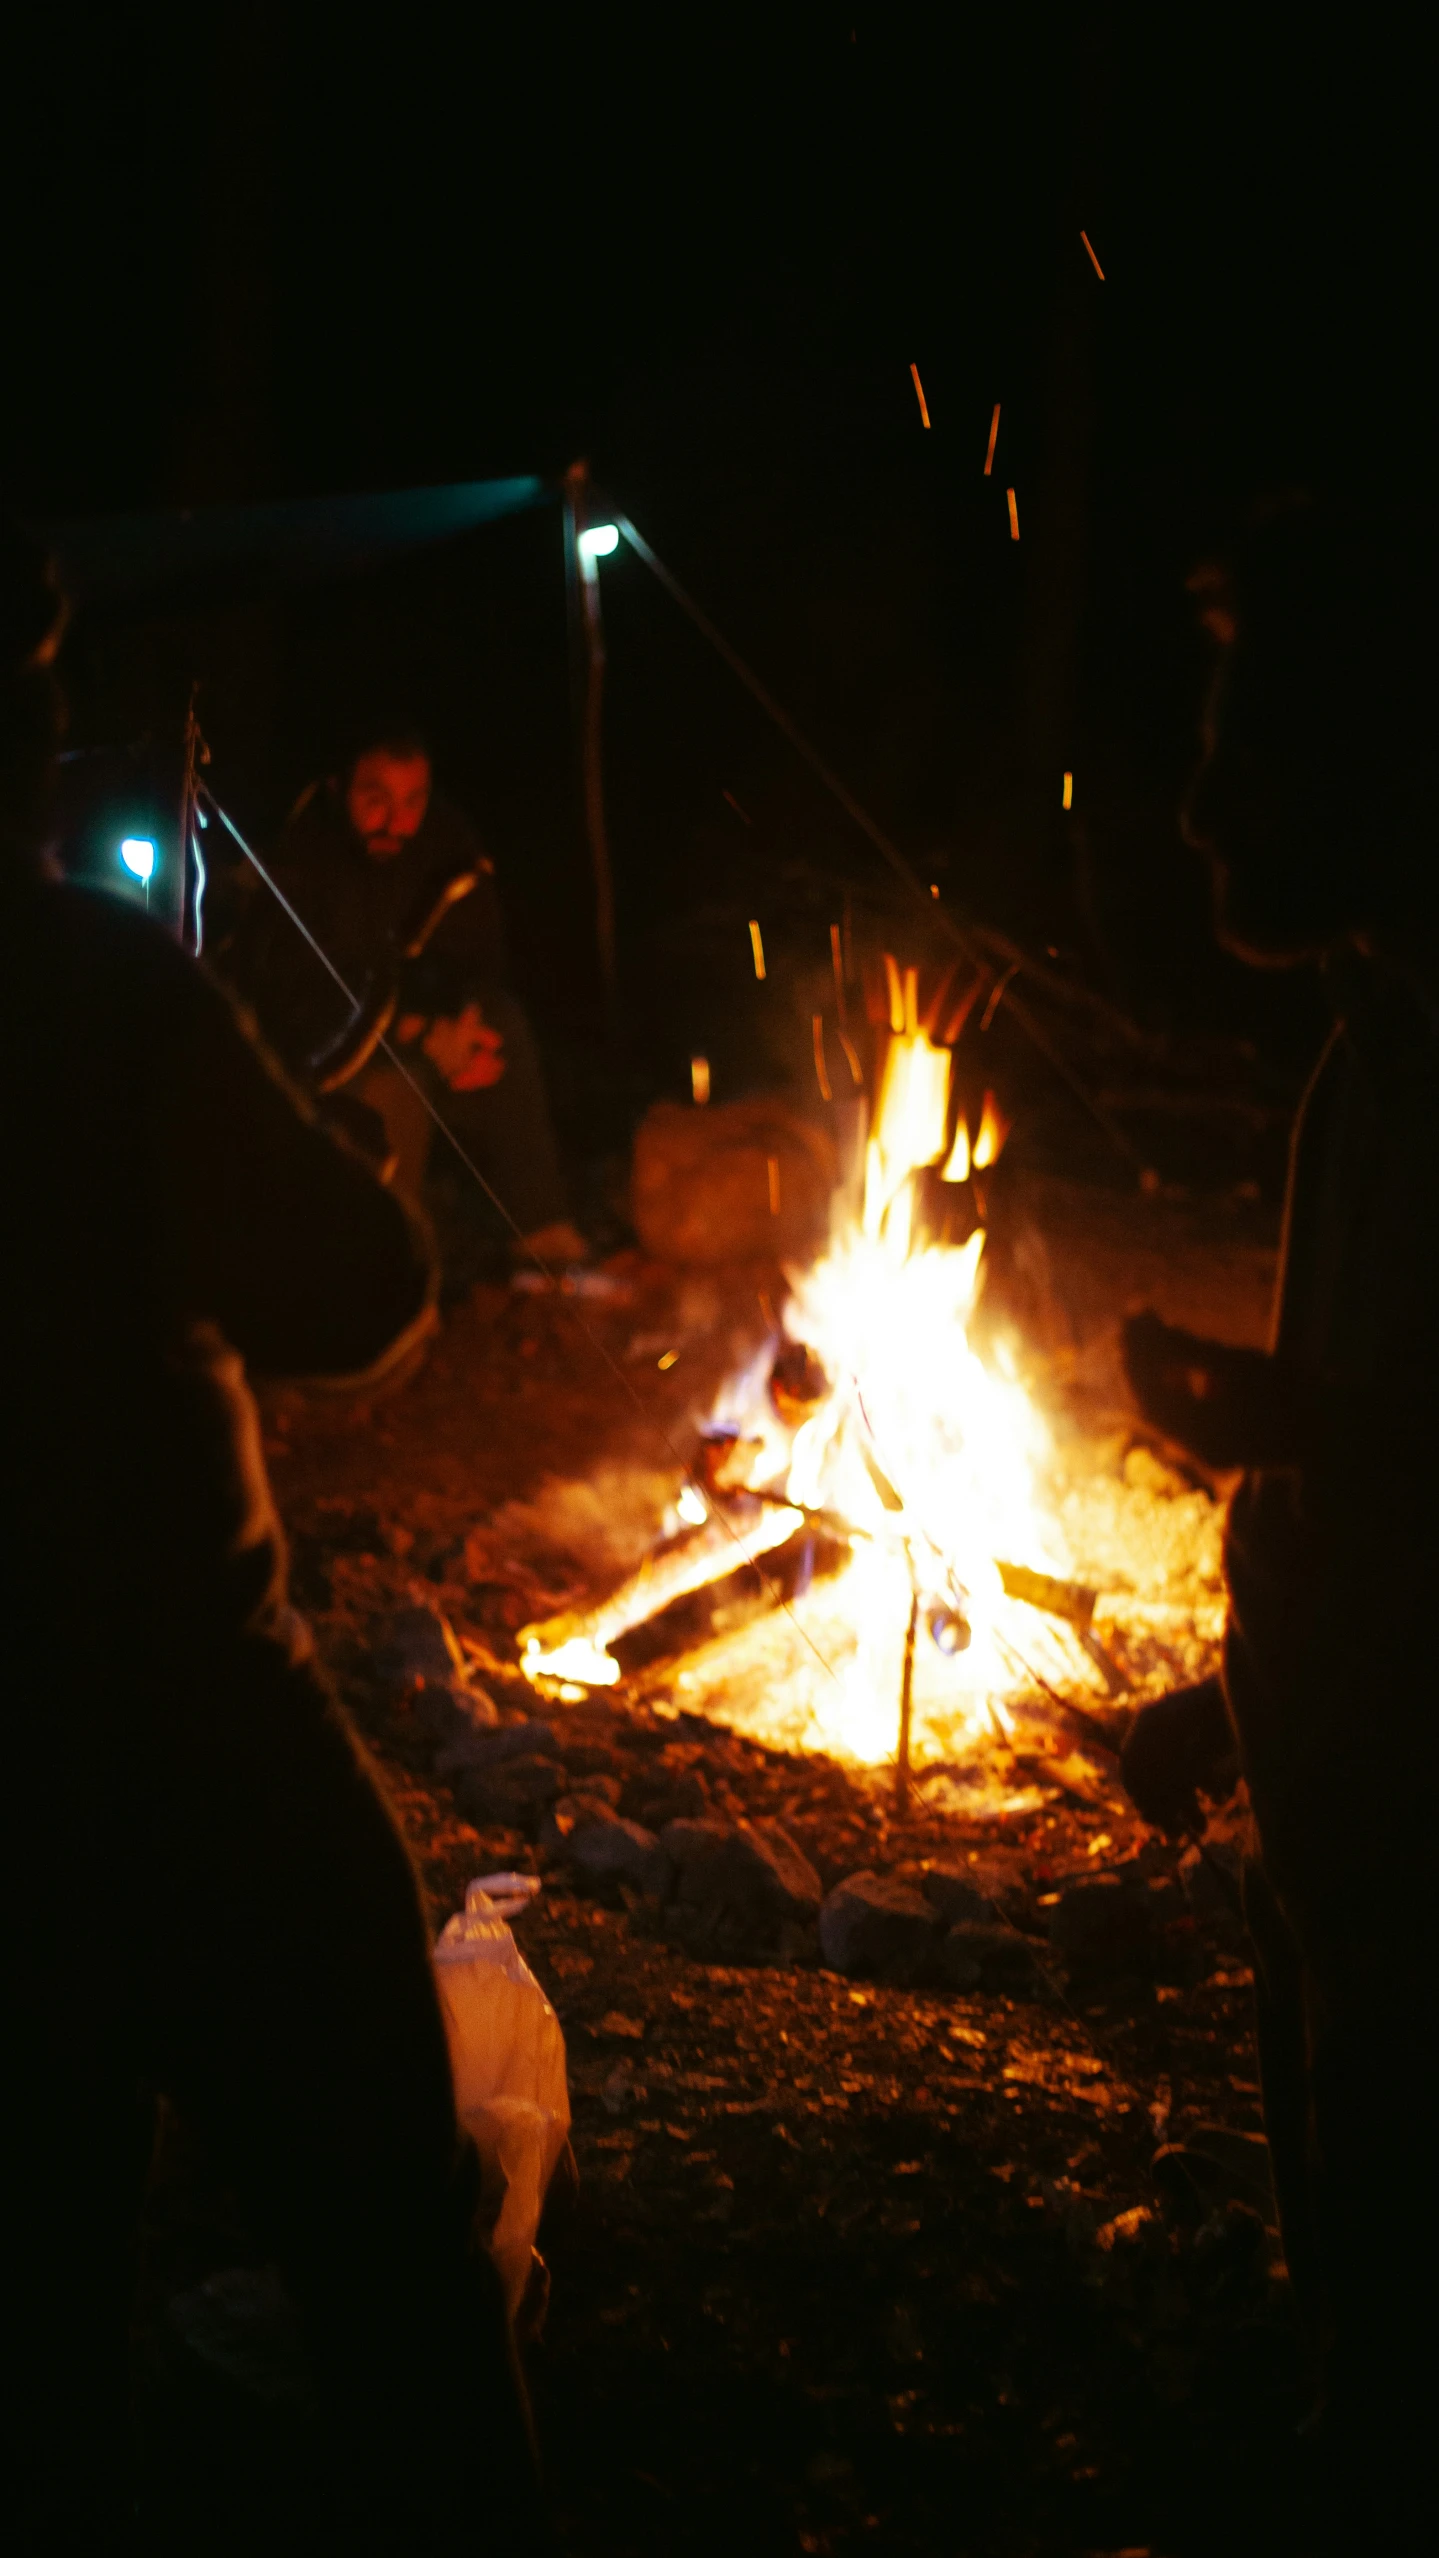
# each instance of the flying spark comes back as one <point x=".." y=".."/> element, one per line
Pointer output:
<point x="993" y="440"/>
<point x="836" y="952"/>
<point x="919" y="395"/>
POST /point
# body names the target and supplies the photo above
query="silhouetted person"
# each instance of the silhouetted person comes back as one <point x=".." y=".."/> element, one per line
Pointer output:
<point x="206" y="1894"/>
<point x="360" y="859"/>
<point x="1316" y="805"/>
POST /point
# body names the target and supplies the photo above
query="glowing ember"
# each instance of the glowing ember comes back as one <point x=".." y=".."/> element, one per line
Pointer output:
<point x="581" y="1660"/>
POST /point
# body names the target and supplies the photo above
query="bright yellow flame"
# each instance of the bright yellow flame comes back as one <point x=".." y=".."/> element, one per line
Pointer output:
<point x="913" y="1110"/>
<point x="957" y="1168"/>
<point x="961" y="1445"/>
<point x="993" y="1130"/>
<point x="914" y="1414"/>
<point x="939" y="1463"/>
<point x="700" y="1080"/>
<point x="579" y="1659"/>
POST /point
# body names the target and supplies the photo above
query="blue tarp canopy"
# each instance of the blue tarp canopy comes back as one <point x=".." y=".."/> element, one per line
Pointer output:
<point x="188" y="556"/>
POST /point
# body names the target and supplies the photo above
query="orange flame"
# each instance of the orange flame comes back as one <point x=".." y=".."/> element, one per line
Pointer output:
<point x="993" y="1130"/>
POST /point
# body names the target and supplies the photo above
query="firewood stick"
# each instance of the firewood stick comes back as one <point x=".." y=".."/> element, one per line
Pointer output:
<point x="906" y="1700"/>
<point x="681" y="1568"/>
<point x="1067" y="1599"/>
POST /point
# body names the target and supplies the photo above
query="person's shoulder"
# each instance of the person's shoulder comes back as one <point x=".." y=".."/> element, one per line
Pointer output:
<point x="75" y="915"/>
<point x="108" y="953"/>
<point x="453" y="838"/>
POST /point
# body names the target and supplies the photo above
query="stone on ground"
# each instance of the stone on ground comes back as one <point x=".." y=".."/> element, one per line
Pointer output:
<point x="607" y="1849"/>
<point x="510" y="1796"/>
<point x="953" y="1896"/>
<point x="745" y="1885"/>
<point x="876" y="1925"/>
<point x="978" y="1954"/>
<point x="489" y="1744"/>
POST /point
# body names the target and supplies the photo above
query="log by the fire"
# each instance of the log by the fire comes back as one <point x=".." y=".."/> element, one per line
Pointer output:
<point x="1067" y="1599"/>
<point x="575" y="1644"/>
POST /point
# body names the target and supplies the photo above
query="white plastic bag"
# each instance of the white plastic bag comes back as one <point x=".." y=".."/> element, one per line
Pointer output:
<point x="508" y="2057"/>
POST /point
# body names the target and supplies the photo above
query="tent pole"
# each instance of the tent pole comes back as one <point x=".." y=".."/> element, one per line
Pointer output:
<point x="587" y="624"/>
<point x="195" y="754"/>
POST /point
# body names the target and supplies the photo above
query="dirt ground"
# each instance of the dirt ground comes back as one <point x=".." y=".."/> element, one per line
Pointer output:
<point x="851" y="2265"/>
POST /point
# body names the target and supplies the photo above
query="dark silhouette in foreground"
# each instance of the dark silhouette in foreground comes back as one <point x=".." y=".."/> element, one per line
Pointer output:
<point x="1314" y="803"/>
<point x="206" y="1895"/>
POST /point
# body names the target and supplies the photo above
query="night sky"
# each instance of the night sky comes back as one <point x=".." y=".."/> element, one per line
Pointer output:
<point x="275" y="254"/>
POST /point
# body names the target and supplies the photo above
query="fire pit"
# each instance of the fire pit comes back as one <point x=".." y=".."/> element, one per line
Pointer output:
<point x="914" y="1556"/>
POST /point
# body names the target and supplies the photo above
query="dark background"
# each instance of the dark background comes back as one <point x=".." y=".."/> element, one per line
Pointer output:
<point x="270" y="252"/>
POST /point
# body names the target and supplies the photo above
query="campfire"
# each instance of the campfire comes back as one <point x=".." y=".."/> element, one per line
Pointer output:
<point x="955" y="1579"/>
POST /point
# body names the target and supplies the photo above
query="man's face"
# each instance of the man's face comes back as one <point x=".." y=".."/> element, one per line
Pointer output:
<point x="387" y="800"/>
<point x="1261" y="808"/>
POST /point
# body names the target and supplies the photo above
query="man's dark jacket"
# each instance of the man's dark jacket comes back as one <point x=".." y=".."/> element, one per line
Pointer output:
<point x="355" y="905"/>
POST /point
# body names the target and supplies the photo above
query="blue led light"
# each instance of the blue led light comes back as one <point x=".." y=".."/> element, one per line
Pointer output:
<point x="598" y="541"/>
<point x="138" y="855"/>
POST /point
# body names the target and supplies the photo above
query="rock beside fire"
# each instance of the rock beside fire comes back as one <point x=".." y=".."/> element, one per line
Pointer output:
<point x="693" y="1847"/>
<point x="419" y="1656"/>
<point x="658" y="1797"/>
<point x="510" y="1795"/>
<point x="871" y="1924"/>
<point x="488" y="1746"/>
<point x="953" y="1896"/>
<point x="447" y="1712"/>
<point x="742" y="1181"/>
<point x="976" y="1954"/>
<point x="605" y="1848"/>
<point x="417" y="1645"/>
<point x="745" y="1887"/>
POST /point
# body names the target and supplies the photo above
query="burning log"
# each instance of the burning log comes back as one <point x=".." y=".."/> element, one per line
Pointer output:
<point x="574" y="1645"/>
<point x="798" y="1382"/>
<point x="1067" y="1599"/>
<point x="1057" y="1598"/>
<point x="726" y="1461"/>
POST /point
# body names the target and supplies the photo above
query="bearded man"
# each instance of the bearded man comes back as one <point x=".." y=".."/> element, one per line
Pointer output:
<point x="373" y="861"/>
